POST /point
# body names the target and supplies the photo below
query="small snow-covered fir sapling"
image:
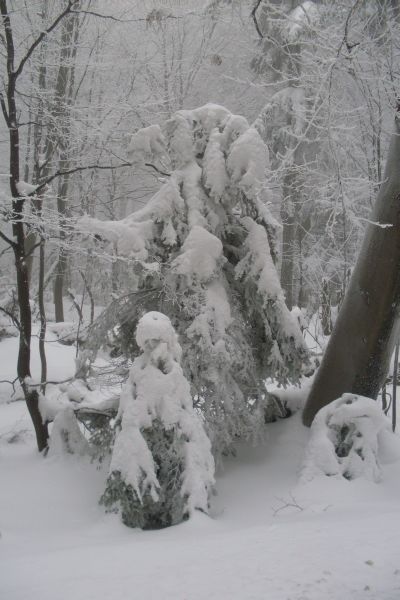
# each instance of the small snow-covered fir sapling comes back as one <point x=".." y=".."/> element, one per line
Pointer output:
<point x="162" y="468"/>
<point x="350" y="438"/>
<point x="205" y="246"/>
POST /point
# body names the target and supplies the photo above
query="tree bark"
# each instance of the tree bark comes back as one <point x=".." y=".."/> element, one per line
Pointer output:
<point x="358" y="354"/>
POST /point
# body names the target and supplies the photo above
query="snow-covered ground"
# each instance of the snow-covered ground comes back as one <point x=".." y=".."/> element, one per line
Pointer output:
<point x="269" y="537"/>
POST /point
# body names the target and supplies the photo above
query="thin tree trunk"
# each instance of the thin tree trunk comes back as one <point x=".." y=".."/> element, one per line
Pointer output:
<point x="288" y="239"/>
<point x="394" y="396"/>
<point x="359" y="351"/>
<point x="42" y="312"/>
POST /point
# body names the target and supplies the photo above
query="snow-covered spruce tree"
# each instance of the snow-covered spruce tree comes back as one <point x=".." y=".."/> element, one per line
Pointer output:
<point x="205" y="247"/>
<point x="162" y="468"/>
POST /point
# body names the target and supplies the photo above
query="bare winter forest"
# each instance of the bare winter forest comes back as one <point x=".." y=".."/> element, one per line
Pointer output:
<point x="199" y="299"/>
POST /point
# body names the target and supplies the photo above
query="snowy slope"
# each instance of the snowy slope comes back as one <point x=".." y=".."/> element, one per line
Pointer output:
<point x="269" y="537"/>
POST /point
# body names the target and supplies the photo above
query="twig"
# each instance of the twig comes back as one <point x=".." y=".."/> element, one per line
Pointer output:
<point x="157" y="169"/>
<point x="90" y="293"/>
<point x="285" y="504"/>
<point x="34" y="385"/>
<point x="12" y="383"/>
<point x="76" y="170"/>
<point x="77" y="307"/>
<point x="346" y="29"/>
<point x="254" y="17"/>
<point x="13" y="318"/>
<point x="8" y="240"/>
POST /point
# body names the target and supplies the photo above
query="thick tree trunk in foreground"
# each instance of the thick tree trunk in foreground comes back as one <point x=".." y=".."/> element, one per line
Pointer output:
<point x="359" y="351"/>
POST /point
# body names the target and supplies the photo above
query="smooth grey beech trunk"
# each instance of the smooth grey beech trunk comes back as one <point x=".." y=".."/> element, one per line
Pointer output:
<point x="362" y="342"/>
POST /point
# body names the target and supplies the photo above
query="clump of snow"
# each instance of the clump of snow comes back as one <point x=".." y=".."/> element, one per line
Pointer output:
<point x="216" y="176"/>
<point x="346" y="438"/>
<point x="25" y="189"/>
<point x="247" y="162"/>
<point x="154" y="331"/>
<point x="191" y="191"/>
<point x="134" y="235"/>
<point x="129" y="238"/>
<point x="257" y="270"/>
<point x="161" y="468"/>
<point x="66" y="436"/>
<point x="286" y="104"/>
<point x="146" y="144"/>
<point x="180" y="140"/>
<point x="300" y="314"/>
<point x="75" y="394"/>
<point x="201" y="256"/>
<point x="304" y="15"/>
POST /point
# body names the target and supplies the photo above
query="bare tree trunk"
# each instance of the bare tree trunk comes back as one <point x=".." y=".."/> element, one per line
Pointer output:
<point x="65" y="89"/>
<point x="58" y="291"/>
<point x="326" y="320"/>
<point x="42" y="312"/>
<point x="363" y="339"/>
<point x="288" y="239"/>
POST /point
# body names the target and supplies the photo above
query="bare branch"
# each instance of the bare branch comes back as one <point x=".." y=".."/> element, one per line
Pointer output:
<point x="8" y="240"/>
<point x="137" y="20"/>
<point x="157" y="170"/>
<point x="77" y="170"/>
<point x="254" y="16"/>
<point x="345" y="41"/>
<point x="13" y="318"/>
<point x="12" y="383"/>
<point x="42" y="35"/>
<point x="4" y="110"/>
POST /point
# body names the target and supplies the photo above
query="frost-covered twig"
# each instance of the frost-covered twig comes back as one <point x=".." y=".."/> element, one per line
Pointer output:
<point x="292" y="503"/>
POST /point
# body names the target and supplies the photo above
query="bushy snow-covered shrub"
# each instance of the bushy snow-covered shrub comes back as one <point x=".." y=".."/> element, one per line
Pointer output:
<point x="346" y="436"/>
<point x="204" y="247"/>
<point x="162" y="468"/>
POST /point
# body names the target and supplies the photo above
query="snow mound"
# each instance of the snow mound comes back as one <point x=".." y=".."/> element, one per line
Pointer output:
<point x="349" y="438"/>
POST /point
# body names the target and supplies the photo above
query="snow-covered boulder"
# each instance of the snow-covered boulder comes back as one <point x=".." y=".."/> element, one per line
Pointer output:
<point x="350" y="438"/>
